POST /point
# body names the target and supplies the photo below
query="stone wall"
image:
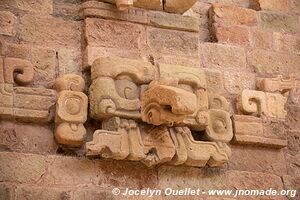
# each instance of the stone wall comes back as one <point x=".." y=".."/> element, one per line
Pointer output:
<point x="234" y="41"/>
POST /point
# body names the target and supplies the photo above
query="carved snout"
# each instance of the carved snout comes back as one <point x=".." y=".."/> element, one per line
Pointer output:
<point x="18" y="70"/>
<point x="163" y="104"/>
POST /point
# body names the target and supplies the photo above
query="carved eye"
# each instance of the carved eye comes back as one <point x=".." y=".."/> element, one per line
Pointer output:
<point x="127" y="89"/>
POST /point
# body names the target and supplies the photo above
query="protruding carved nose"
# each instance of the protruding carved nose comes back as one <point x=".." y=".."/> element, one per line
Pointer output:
<point x="162" y="104"/>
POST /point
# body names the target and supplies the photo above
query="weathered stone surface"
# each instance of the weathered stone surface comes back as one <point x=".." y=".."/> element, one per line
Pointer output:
<point x="99" y="32"/>
<point x="93" y="53"/>
<point x="215" y="81"/>
<point x="257" y="159"/>
<point x="293" y="117"/>
<point x="286" y="43"/>
<point x="268" y="62"/>
<point x="232" y="15"/>
<point x="6" y="192"/>
<point x="293" y="142"/>
<point x="173" y="21"/>
<point x="278" y="22"/>
<point x="33" y="104"/>
<point x="237" y="81"/>
<point x="262" y="38"/>
<point x="251" y="130"/>
<point x="7" y="23"/>
<point x="295" y="6"/>
<point x="292" y="183"/>
<point x="172" y="42"/>
<point x="26" y="138"/>
<point x="292" y="165"/>
<point x="219" y="55"/>
<point x="42" y="7"/>
<point x="275" y="5"/>
<point x="22" y="51"/>
<point x="238" y="35"/>
<point x="29" y="192"/>
<point x="6" y="100"/>
<point x="44" y="63"/>
<point x="69" y="33"/>
<point x="108" y="11"/>
<point x="21" y="168"/>
<point x="71" y="171"/>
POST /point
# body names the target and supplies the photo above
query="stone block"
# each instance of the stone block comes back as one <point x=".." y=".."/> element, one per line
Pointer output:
<point x="114" y="34"/>
<point x="6" y="192"/>
<point x="261" y="38"/>
<point x="33" y="104"/>
<point x="238" y="35"/>
<point x="69" y="61"/>
<point x="42" y="7"/>
<point x="177" y="6"/>
<point x="68" y="35"/>
<point x="279" y="22"/>
<point x="292" y="183"/>
<point x="42" y="193"/>
<point x="293" y="142"/>
<point x="21" y="168"/>
<point x="268" y="62"/>
<point x="7" y="23"/>
<point x="287" y="43"/>
<point x="6" y="100"/>
<point x="219" y="56"/>
<point x="226" y="14"/>
<point x="172" y="42"/>
<point x="173" y="21"/>
<point x="237" y="81"/>
<point x="292" y="163"/>
<point x="257" y="159"/>
<point x="275" y="5"/>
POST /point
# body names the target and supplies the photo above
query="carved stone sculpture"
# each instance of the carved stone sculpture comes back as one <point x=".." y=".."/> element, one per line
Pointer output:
<point x="24" y="104"/>
<point x="269" y="102"/>
<point x="71" y="110"/>
<point x="148" y="114"/>
<point x="173" y="6"/>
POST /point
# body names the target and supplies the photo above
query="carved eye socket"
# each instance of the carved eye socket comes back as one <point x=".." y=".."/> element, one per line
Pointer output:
<point x="127" y="89"/>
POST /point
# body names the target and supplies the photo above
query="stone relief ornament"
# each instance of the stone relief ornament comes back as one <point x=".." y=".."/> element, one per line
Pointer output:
<point x="157" y="114"/>
<point x="173" y="6"/>
<point x="20" y="103"/>
<point x="268" y="103"/>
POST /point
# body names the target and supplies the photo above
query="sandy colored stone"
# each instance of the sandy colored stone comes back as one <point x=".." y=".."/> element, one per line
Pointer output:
<point x="215" y="81"/>
<point x="139" y="71"/>
<point x="23" y="68"/>
<point x="292" y="165"/>
<point x="44" y="64"/>
<point x="257" y="159"/>
<point x="70" y="82"/>
<point x="276" y="84"/>
<point x="238" y="35"/>
<point x="42" y="7"/>
<point x="262" y="38"/>
<point x="178" y="6"/>
<point x="6" y="100"/>
<point x="6" y="192"/>
<point x="109" y="11"/>
<point x="218" y="102"/>
<point x="22" y="51"/>
<point x="262" y="103"/>
<point x="173" y="21"/>
<point x="249" y="130"/>
<point x="69" y="33"/>
<point x="219" y="55"/>
<point x="114" y="34"/>
<point x="291" y="183"/>
<point x="268" y="62"/>
<point x="278" y="22"/>
<point x="286" y="42"/>
<point x="22" y="168"/>
<point x="275" y="5"/>
<point x="26" y="138"/>
<point x="7" y="23"/>
<point x="33" y="104"/>
<point x="236" y="82"/>
<point x="219" y="128"/>
<point x="200" y="153"/>
<point x="232" y="15"/>
<point x="293" y="142"/>
<point x="172" y="42"/>
<point x="42" y="193"/>
<point x="158" y="145"/>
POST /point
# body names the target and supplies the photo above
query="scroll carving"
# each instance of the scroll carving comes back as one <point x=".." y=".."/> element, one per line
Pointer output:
<point x="268" y="102"/>
<point x="71" y="110"/>
<point x="25" y="104"/>
<point x="148" y="114"/>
